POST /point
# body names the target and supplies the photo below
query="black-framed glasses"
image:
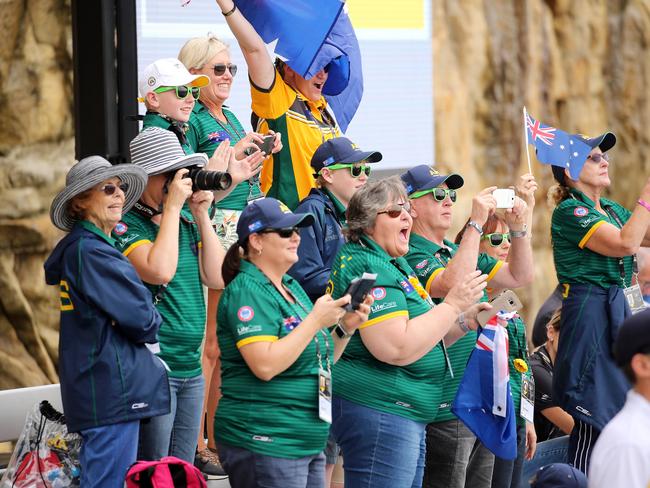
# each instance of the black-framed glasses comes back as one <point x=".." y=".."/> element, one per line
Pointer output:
<point x="355" y="169"/>
<point x="284" y="233"/>
<point x="496" y="238"/>
<point x="182" y="91"/>
<point x="220" y="68"/>
<point x="109" y="188"/>
<point x="597" y="157"/>
<point x="394" y="211"/>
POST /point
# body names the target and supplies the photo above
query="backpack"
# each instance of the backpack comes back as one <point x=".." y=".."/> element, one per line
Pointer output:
<point x="169" y="472"/>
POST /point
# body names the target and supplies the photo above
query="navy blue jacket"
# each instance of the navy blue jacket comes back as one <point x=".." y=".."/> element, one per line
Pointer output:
<point x="107" y="315"/>
<point x="319" y="243"/>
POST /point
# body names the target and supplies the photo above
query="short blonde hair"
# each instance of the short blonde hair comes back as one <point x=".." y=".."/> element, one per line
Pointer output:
<point x="196" y="52"/>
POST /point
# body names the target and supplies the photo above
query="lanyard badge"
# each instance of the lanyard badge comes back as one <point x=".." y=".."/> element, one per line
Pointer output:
<point x="324" y="381"/>
<point x="634" y="298"/>
<point x="527" y="409"/>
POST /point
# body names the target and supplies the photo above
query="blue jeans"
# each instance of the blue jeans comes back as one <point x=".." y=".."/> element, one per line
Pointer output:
<point x="456" y="458"/>
<point x="248" y="469"/>
<point x="176" y="433"/>
<point x="380" y="450"/>
<point x="107" y="452"/>
<point x="548" y="452"/>
<point x="508" y="474"/>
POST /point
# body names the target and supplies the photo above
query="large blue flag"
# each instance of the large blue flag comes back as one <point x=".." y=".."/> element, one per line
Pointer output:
<point x="483" y="401"/>
<point x="556" y="147"/>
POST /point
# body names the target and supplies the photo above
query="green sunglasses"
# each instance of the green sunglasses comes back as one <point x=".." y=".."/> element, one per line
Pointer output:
<point x="496" y="238"/>
<point x="355" y="171"/>
<point x="182" y="91"/>
<point x="439" y="194"/>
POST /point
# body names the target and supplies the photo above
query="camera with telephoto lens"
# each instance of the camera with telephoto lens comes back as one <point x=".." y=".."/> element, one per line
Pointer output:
<point x="203" y="179"/>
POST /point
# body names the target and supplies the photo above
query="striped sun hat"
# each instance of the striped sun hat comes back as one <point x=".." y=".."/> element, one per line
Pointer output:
<point x="87" y="173"/>
<point x="157" y="151"/>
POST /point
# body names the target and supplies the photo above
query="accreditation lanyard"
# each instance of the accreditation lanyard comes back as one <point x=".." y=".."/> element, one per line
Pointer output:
<point x="621" y="265"/>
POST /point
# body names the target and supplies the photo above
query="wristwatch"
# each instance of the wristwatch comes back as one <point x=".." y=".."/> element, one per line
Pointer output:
<point x="474" y="225"/>
<point x="340" y="331"/>
<point x="519" y="233"/>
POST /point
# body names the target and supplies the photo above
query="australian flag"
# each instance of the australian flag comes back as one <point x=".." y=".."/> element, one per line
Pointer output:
<point x="556" y="147"/>
<point x="483" y="401"/>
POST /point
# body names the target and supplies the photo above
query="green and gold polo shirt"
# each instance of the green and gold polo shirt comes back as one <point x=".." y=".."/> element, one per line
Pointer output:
<point x="182" y="305"/>
<point x="411" y="391"/>
<point x="573" y="223"/>
<point x="277" y="417"/>
<point x="428" y="260"/>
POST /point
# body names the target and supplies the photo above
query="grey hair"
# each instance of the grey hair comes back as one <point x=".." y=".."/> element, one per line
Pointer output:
<point x="197" y="51"/>
<point x="370" y="199"/>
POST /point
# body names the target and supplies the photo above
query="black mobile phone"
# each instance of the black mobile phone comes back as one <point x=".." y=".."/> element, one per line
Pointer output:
<point x="358" y="289"/>
<point x="267" y="145"/>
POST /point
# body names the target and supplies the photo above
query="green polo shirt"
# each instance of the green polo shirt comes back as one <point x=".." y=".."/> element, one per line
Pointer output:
<point x="152" y="119"/>
<point x="428" y="260"/>
<point x="204" y="136"/>
<point x="182" y="305"/>
<point x="517" y="348"/>
<point x="411" y="391"/>
<point x="277" y="417"/>
<point x="573" y="223"/>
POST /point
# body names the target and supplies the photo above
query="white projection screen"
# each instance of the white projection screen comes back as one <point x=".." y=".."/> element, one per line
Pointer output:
<point x="396" y="112"/>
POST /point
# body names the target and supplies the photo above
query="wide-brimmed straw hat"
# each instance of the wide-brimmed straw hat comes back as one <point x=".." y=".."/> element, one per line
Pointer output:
<point x="158" y="151"/>
<point x="87" y="173"/>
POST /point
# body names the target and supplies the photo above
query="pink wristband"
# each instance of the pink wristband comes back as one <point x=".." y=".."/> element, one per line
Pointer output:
<point x="644" y="204"/>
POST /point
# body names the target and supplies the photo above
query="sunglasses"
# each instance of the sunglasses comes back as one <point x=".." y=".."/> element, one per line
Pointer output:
<point x="355" y="171"/>
<point x="220" y="68"/>
<point x="109" y="188"/>
<point x="439" y="194"/>
<point x="283" y="233"/>
<point x="596" y="158"/>
<point x="396" y="210"/>
<point x="496" y="238"/>
<point x="182" y="91"/>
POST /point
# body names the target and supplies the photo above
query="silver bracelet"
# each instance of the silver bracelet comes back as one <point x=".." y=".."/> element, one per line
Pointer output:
<point x="474" y="225"/>
<point x="462" y="324"/>
<point x="519" y="233"/>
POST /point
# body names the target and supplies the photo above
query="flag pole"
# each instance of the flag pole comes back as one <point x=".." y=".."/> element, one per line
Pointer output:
<point x="530" y="170"/>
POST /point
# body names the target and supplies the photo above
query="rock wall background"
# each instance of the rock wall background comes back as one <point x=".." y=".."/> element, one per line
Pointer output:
<point x="582" y="65"/>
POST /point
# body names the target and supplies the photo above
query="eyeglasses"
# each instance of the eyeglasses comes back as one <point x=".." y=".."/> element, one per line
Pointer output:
<point x="396" y="210"/>
<point x="220" y="68"/>
<point x="596" y="158"/>
<point x="283" y="233"/>
<point x="109" y="188"/>
<point x="355" y="170"/>
<point x="496" y="238"/>
<point x="182" y="91"/>
<point x="439" y="194"/>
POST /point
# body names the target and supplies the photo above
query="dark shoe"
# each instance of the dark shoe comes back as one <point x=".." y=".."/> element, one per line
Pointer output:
<point x="208" y="463"/>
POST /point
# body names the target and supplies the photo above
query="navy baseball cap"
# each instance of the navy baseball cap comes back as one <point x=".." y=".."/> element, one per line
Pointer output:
<point x="604" y="141"/>
<point x="341" y="150"/>
<point x="559" y="475"/>
<point x="633" y="337"/>
<point x="424" y="177"/>
<point x="269" y="213"/>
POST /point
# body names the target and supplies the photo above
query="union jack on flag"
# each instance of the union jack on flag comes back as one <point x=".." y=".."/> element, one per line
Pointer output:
<point x="539" y="131"/>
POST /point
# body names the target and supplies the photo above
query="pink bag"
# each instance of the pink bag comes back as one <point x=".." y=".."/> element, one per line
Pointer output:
<point x="169" y="472"/>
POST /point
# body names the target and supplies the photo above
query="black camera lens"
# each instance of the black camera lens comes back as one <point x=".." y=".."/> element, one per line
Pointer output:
<point x="209" y="180"/>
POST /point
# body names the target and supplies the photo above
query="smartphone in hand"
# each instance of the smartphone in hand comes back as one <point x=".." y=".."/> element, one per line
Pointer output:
<point x="267" y="145"/>
<point x="506" y="301"/>
<point x="505" y="197"/>
<point x="358" y="289"/>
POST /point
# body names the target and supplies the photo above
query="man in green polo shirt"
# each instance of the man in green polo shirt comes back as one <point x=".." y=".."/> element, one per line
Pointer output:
<point x="453" y="453"/>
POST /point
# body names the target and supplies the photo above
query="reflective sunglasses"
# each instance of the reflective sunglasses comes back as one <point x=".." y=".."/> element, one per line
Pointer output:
<point x="396" y="210"/>
<point x="596" y="158"/>
<point x="496" y="238"/>
<point x="439" y="194"/>
<point x="355" y="171"/>
<point x="109" y="188"/>
<point x="283" y="233"/>
<point x="220" y="68"/>
<point x="182" y="91"/>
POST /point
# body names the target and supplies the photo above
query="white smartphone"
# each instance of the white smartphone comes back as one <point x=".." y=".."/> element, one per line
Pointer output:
<point x="505" y="197"/>
<point x="506" y="301"/>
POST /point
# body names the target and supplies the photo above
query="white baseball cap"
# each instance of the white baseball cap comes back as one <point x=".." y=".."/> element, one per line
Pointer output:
<point x="168" y="72"/>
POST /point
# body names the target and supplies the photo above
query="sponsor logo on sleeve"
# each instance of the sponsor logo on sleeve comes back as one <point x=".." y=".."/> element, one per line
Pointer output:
<point x="120" y="228"/>
<point x="248" y="329"/>
<point x="245" y="313"/>
<point x="422" y="264"/>
<point x="378" y="293"/>
<point x="580" y="211"/>
<point x="380" y="307"/>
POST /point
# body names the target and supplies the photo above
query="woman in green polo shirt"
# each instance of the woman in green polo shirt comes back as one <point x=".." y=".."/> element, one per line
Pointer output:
<point x="388" y="381"/>
<point x="594" y="244"/>
<point x="276" y="355"/>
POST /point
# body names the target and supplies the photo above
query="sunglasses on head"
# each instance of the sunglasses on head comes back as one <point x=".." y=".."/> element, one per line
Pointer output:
<point x="496" y="238"/>
<point x="182" y="91"/>
<point x="283" y="233"/>
<point x="220" y="68"/>
<point x="109" y="188"/>
<point x="596" y="158"/>
<point x="355" y="170"/>
<point x="395" y="211"/>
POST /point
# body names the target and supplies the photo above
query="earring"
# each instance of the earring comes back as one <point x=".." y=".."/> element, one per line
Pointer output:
<point x="259" y="252"/>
